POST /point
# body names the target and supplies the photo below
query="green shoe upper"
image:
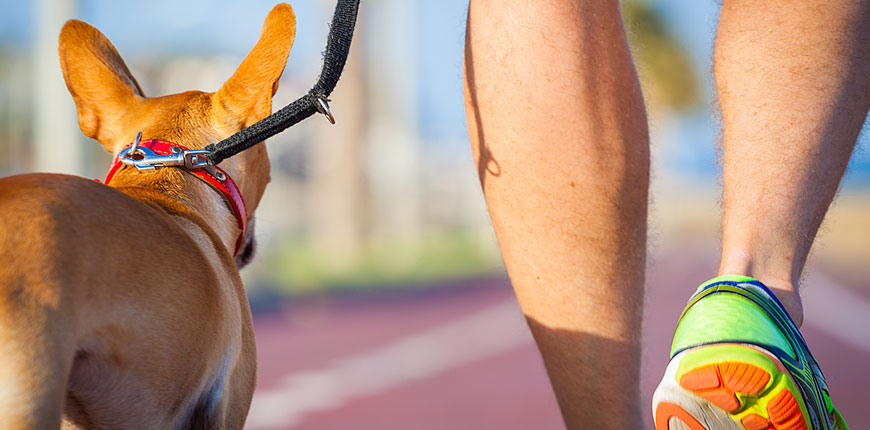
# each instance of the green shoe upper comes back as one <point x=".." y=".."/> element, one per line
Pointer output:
<point x="739" y="309"/>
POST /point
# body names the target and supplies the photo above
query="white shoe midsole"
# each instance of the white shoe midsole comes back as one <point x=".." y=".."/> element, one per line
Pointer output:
<point x="702" y="410"/>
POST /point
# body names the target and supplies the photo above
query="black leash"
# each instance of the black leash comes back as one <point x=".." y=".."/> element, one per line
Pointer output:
<point x="337" y="47"/>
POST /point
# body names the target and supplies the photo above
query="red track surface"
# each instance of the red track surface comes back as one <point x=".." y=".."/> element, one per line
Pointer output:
<point x="405" y="362"/>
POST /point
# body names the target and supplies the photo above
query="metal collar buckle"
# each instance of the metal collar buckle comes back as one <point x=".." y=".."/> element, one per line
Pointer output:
<point x="144" y="159"/>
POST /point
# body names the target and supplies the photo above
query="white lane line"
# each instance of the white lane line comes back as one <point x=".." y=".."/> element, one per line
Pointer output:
<point x="837" y="311"/>
<point x="485" y="334"/>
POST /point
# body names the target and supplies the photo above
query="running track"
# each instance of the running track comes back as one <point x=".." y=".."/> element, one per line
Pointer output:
<point x="459" y="356"/>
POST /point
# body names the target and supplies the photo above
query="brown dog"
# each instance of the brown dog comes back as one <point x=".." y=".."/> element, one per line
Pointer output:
<point x="121" y="306"/>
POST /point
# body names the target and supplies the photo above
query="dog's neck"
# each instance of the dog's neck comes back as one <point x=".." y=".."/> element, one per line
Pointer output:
<point x="213" y="208"/>
<point x="191" y="192"/>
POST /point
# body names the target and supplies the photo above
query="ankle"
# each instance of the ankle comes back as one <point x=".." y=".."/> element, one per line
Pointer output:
<point x="782" y="286"/>
<point x="788" y="295"/>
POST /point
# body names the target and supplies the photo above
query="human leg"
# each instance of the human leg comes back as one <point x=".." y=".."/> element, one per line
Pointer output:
<point x="559" y="132"/>
<point x="794" y="87"/>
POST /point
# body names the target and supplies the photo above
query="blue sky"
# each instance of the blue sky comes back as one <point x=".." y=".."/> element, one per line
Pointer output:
<point x="203" y="26"/>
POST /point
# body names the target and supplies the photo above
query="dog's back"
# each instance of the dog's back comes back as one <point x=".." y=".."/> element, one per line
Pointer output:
<point x="88" y="312"/>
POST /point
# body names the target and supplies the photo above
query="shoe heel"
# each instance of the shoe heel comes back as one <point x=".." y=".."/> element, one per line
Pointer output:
<point x="744" y="383"/>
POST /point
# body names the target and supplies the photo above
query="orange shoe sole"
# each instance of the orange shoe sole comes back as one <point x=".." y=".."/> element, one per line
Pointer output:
<point x="749" y="390"/>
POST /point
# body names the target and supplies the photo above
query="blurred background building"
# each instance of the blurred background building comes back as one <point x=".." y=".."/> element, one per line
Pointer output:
<point x="388" y="195"/>
<point x="387" y="199"/>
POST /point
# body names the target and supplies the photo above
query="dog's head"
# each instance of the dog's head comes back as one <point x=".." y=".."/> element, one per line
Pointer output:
<point x="112" y="107"/>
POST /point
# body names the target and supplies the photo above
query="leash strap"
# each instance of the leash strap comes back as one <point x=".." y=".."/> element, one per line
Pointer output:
<point x="337" y="48"/>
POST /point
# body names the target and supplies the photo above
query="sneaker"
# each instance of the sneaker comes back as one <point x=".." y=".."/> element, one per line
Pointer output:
<point x="739" y="362"/>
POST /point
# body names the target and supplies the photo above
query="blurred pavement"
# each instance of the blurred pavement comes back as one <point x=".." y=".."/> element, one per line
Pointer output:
<point x="460" y="357"/>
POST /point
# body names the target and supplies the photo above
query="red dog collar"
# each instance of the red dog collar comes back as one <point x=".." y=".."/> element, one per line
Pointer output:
<point x="160" y="153"/>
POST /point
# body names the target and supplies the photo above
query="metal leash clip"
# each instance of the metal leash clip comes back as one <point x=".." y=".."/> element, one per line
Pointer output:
<point x="323" y="107"/>
<point x="144" y="159"/>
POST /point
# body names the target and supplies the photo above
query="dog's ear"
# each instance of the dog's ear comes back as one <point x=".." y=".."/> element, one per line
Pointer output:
<point x="98" y="79"/>
<point x="247" y="95"/>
